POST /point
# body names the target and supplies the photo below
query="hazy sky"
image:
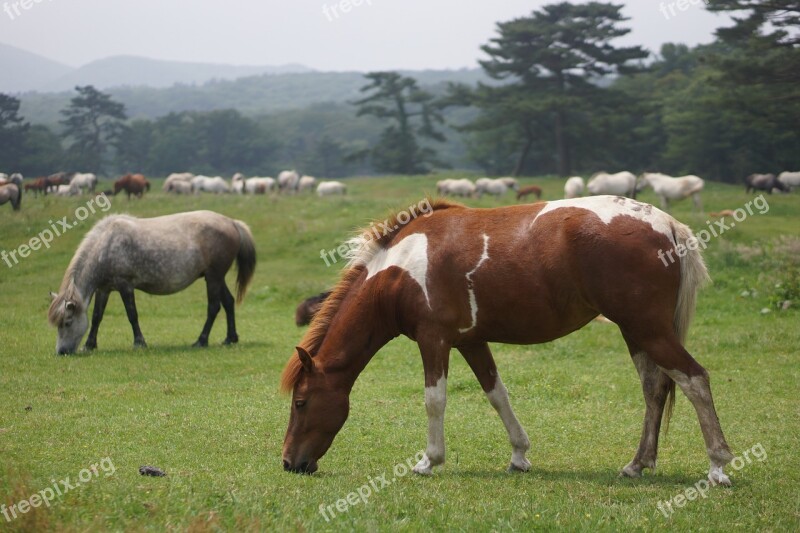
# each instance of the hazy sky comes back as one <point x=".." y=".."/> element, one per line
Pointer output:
<point x="378" y="34"/>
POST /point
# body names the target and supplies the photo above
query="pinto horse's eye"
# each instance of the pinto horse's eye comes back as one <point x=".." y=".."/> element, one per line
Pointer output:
<point x="299" y="403"/>
<point x="67" y="323"/>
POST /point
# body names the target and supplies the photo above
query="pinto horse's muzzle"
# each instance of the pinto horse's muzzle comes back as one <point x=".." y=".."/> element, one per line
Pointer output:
<point x="304" y="467"/>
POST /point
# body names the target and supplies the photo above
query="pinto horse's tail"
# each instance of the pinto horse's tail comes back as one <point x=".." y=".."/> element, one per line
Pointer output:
<point x="245" y="260"/>
<point x="693" y="276"/>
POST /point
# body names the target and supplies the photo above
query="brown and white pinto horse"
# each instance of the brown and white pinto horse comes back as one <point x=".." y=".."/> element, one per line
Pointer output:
<point x="524" y="274"/>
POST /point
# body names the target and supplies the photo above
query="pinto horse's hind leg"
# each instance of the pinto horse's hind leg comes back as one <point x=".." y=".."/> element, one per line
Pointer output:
<point x="655" y="386"/>
<point x="480" y="360"/>
<point x="214" y="293"/>
<point x="693" y="380"/>
<point x="228" y="303"/>
<point x="100" y="301"/>
<point x="133" y="317"/>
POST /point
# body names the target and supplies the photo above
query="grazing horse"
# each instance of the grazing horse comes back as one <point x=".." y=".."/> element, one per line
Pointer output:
<point x="620" y="184"/>
<point x="330" y="188"/>
<point x="54" y="181"/>
<point x="763" y="182"/>
<point x="82" y="182"/>
<point x="790" y="180"/>
<point x="161" y="255"/>
<point x="668" y="188"/>
<point x="288" y="180"/>
<point x="531" y="189"/>
<point x="494" y="187"/>
<point x="39" y="185"/>
<point x="178" y="177"/>
<point x="10" y="192"/>
<point x="306" y="311"/>
<point x="461" y="187"/>
<point x="522" y="274"/>
<point x="216" y="185"/>
<point x="306" y="183"/>
<point x="134" y="184"/>
<point x="573" y="187"/>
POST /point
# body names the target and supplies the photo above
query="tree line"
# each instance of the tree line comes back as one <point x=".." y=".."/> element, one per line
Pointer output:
<point x="561" y="99"/>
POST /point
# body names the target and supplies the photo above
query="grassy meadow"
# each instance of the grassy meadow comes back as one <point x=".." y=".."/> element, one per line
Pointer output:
<point x="214" y="420"/>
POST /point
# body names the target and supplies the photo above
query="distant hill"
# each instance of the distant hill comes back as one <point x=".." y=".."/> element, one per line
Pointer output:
<point x="130" y="71"/>
<point x="253" y="95"/>
<point x="25" y="71"/>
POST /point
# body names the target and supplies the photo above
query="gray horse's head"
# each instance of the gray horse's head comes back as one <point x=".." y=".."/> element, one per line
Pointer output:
<point x="68" y="314"/>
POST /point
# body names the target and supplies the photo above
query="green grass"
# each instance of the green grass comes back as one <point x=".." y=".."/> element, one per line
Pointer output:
<point x="213" y="418"/>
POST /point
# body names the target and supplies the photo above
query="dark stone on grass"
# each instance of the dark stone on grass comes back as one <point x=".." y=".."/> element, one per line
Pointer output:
<point x="151" y="471"/>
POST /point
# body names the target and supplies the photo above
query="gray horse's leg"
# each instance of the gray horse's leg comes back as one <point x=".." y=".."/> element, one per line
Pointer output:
<point x="100" y="301"/>
<point x="228" y="303"/>
<point x="133" y="317"/>
<point x="213" y="291"/>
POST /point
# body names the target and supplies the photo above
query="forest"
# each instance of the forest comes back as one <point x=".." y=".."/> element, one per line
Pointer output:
<point x="555" y="96"/>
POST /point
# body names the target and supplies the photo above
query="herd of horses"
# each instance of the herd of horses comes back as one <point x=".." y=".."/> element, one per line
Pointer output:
<point x="456" y="278"/>
<point x="667" y="188"/>
<point x="288" y="181"/>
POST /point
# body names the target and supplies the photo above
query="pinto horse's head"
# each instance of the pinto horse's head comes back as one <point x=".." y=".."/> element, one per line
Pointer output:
<point x="319" y="410"/>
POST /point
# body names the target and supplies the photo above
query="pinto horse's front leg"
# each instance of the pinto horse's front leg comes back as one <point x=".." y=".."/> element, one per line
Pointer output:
<point x="435" y="361"/>
<point x="480" y="360"/>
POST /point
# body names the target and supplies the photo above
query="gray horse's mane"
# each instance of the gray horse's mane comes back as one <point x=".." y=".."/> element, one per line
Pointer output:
<point x="68" y="291"/>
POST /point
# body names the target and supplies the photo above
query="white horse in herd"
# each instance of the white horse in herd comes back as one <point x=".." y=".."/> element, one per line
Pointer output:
<point x="254" y="185"/>
<point x="330" y="188"/>
<point x="306" y="183"/>
<point x="619" y="184"/>
<point x="790" y="180"/>
<point x="82" y="182"/>
<point x="494" y="187"/>
<point x="573" y="188"/>
<point x="170" y="184"/>
<point x="452" y="187"/>
<point x="216" y="185"/>
<point x="668" y="188"/>
<point x="288" y="180"/>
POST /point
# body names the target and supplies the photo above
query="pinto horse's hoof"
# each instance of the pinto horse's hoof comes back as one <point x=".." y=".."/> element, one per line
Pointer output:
<point x="200" y="344"/>
<point x="231" y="340"/>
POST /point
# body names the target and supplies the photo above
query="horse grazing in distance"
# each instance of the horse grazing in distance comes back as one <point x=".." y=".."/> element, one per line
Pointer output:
<point x="668" y="188"/>
<point x="39" y="185"/>
<point x="619" y="184"/>
<point x="331" y="188"/>
<point x="11" y="193"/>
<point x="573" y="187"/>
<point x="161" y="255"/>
<point x="790" y="180"/>
<point x="308" y="308"/>
<point x="83" y="182"/>
<point x="54" y="181"/>
<point x="531" y="189"/>
<point x="462" y="278"/>
<point x="763" y="182"/>
<point x="134" y="184"/>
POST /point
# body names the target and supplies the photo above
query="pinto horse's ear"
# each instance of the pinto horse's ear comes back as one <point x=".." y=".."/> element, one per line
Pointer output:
<point x="305" y="358"/>
<point x="53" y="296"/>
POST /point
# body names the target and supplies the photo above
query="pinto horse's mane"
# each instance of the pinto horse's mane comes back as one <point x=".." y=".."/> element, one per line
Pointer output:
<point x="363" y="247"/>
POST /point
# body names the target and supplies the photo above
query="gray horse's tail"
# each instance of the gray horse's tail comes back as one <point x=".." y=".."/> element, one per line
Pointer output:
<point x="245" y="260"/>
<point x="693" y="276"/>
<point x="15" y="204"/>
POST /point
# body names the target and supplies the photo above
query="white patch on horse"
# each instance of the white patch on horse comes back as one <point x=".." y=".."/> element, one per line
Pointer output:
<point x="609" y="207"/>
<point x="435" y="404"/>
<point x="473" y="302"/>
<point x="520" y="443"/>
<point x="410" y="254"/>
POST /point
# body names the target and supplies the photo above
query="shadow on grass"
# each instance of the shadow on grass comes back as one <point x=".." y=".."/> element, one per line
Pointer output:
<point x="153" y="350"/>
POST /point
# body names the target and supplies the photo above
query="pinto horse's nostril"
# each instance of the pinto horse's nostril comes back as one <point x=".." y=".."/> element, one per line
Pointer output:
<point x="286" y="465"/>
<point x="303" y="467"/>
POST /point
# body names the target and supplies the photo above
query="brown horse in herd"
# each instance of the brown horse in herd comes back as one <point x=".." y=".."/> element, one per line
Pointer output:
<point x="462" y="278"/>
<point x="135" y="184"/>
<point x="531" y="189"/>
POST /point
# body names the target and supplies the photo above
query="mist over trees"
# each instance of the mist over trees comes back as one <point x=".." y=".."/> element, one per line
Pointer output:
<point x="559" y="96"/>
